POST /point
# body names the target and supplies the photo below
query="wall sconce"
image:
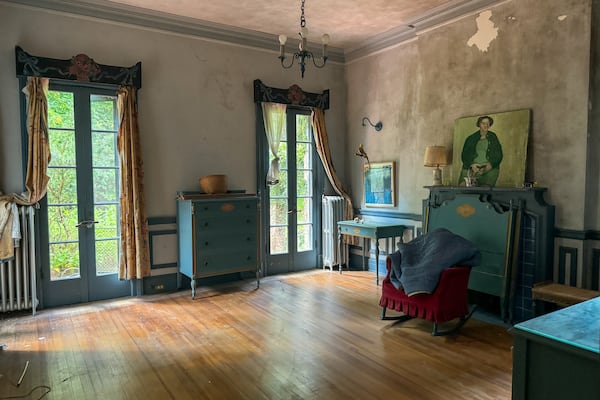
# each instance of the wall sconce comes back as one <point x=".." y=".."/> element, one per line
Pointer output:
<point x="435" y="156"/>
<point x="377" y="126"/>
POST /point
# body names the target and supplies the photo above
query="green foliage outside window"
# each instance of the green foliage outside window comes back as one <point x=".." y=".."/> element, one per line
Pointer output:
<point x="304" y="181"/>
<point x="62" y="188"/>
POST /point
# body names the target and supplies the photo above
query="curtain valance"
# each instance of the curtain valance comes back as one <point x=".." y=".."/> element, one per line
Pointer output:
<point x="293" y="95"/>
<point x="79" y="68"/>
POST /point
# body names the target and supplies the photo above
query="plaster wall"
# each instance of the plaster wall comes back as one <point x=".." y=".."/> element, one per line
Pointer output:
<point x="196" y="103"/>
<point x="526" y="54"/>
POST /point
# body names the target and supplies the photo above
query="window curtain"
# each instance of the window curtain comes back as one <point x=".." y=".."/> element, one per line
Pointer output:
<point x="322" y="143"/>
<point x="135" y="250"/>
<point x="38" y="149"/>
<point x="38" y="158"/>
<point x="274" y="118"/>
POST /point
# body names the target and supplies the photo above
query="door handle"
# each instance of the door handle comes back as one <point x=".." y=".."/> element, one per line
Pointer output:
<point x="87" y="224"/>
<point x="293" y="210"/>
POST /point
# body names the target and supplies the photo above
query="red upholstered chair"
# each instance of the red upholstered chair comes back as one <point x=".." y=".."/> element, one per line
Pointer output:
<point x="447" y="302"/>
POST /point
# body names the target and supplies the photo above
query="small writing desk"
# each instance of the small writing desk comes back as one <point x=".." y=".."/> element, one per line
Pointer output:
<point x="369" y="230"/>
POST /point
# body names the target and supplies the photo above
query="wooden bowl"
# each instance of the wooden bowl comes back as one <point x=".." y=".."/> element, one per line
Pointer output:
<point x="213" y="184"/>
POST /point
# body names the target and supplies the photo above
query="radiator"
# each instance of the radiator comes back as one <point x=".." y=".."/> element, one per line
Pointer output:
<point x="332" y="212"/>
<point x="17" y="276"/>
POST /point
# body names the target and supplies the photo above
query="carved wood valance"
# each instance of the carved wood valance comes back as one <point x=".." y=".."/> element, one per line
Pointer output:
<point x="79" y="68"/>
<point x="293" y="95"/>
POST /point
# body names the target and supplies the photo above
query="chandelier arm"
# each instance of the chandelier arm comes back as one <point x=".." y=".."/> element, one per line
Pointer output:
<point x="290" y="64"/>
<point x="314" y="60"/>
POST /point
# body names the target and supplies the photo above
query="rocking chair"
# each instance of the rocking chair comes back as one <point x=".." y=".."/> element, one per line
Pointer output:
<point x="447" y="302"/>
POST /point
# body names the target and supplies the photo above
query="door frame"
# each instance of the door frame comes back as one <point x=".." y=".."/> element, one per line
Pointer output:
<point x="41" y="222"/>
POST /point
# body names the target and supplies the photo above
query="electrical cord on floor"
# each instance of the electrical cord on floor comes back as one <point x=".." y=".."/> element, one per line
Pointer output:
<point x="18" y="384"/>
<point x="25" y="396"/>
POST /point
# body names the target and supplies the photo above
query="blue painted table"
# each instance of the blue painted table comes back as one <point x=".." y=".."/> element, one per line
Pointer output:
<point x="557" y="355"/>
<point x="369" y="230"/>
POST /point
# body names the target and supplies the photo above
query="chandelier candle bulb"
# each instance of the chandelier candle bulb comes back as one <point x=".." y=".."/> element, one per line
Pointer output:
<point x="282" y="40"/>
<point x="325" y="41"/>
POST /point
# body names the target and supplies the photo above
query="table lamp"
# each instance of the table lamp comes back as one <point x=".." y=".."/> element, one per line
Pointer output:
<point x="435" y="156"/>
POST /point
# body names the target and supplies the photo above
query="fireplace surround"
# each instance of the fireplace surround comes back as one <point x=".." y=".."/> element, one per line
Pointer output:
<point x="531" y="260"/>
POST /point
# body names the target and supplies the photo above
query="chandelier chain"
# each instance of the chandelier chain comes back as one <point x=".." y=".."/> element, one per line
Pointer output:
<point x="302" y="19"/>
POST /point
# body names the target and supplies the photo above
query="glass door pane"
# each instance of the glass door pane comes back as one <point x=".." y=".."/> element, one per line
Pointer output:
<point x="304" y="184"/>
<point x="105" y="165"/>
<point x="63" y="235"/>
<point x="278" y="205"/>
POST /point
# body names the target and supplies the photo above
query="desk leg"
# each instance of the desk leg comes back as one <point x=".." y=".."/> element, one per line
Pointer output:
<point x="340" y="249"/>
<point x="377" y="259"/>
<point x="364" y="243"/>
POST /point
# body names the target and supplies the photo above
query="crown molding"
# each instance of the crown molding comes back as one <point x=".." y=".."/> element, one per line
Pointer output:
<point x="130" y="15"/>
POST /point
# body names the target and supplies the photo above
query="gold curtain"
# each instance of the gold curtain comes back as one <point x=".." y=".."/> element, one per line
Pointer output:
<point x="135" y="250"/>
<point x="38" y="158"/>
<point x="38" y="148"/>
<point x="322" y="142"/>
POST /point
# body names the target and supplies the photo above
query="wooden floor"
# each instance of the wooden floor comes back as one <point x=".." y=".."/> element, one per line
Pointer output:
<point x="314" y="335"/>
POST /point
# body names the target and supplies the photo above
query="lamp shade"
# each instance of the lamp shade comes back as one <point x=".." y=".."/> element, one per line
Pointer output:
<point x="435" y="156"/>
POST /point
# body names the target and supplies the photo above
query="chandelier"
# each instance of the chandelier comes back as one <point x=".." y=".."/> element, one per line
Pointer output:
<point x="302" y="54"/>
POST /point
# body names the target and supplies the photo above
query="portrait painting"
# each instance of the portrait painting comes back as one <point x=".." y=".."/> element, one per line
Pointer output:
<point x="491" y="149"/>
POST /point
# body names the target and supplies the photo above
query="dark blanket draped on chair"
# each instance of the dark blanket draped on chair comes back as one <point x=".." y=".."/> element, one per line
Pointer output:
<point x="417" y="265"/>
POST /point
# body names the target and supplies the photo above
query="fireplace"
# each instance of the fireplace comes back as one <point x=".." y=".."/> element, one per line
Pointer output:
<point x="529" y="257"/>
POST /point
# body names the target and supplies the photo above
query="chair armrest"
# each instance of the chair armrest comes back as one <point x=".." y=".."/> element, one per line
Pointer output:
<point x="388" y="266"/>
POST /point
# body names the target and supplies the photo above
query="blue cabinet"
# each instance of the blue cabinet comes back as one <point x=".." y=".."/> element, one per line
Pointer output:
<point x="557" y="356"/>
<point x="217" y="235"/>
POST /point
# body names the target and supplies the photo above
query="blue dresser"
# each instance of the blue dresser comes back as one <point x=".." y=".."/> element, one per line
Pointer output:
<point x="217" y="235"/>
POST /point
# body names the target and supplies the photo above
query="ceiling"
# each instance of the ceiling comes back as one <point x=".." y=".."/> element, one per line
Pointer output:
<point x="356" y="27"/>
<point x="348" y="22"/>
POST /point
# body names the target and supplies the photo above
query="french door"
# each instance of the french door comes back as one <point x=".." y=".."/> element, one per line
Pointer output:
<point x="79" y="218"/>
<point x="293" y="204"/>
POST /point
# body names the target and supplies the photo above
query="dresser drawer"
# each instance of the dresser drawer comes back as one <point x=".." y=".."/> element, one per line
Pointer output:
<point x="225" y="242"/>
<point x="221" y="209"/>
<point x="225" y="222"/>
<point x="213" y="264"/>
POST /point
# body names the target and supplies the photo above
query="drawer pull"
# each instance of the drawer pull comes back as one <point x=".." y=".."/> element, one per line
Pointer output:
<point x="206" y="243"/>
<point x="248" y="239"/>
<point x="206" y="224"/>
<point x="206" y="263"/>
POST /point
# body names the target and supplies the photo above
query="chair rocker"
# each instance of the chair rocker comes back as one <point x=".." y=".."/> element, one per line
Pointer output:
<point x="447" y="302"/>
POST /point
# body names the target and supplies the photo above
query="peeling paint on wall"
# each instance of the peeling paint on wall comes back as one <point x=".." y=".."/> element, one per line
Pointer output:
<point x="562" y="17"/>
<point x="486" y="32"/>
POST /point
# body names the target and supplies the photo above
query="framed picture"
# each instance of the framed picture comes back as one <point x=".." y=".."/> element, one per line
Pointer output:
<point x="491" y="149"/>
<point x="379" y="184"/>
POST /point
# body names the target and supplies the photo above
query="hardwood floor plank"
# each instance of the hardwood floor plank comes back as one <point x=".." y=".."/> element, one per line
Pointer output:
<point x="313" y="335"/>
